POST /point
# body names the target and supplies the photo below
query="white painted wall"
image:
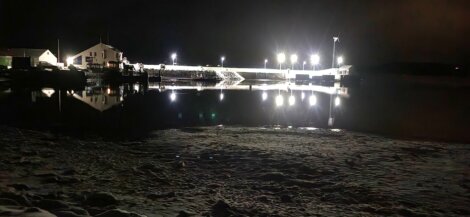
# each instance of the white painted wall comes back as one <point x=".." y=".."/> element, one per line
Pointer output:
<point x="48" y="57"/>
<point x="98" y="54"/>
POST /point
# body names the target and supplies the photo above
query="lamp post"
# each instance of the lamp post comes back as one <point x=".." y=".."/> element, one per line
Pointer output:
<point x="334" y="47"/>
<point x="303" y="65"/>
<point x="173" y="58"/>
<point x="315" y="60"/>
<point x="265" y="62"/>
<point x="281" y="57"/>
<point x="222" y="59"/>
<point x="293" y="60"/>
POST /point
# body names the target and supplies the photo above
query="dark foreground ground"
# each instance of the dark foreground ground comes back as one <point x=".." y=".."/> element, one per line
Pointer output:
<point x="232" y="171"/>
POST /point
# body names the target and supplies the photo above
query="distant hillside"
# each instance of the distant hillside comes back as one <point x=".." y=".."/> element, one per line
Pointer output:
<point x="412" y="68"/>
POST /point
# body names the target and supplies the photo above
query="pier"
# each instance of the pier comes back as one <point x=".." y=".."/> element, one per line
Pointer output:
<point x="233" y="73"/>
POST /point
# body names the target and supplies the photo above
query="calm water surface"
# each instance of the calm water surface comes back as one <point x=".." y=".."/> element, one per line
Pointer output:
<point x="403" y="110"/>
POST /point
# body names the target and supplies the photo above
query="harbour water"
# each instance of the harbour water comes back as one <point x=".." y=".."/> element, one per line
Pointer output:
<point x="409" y="111"/>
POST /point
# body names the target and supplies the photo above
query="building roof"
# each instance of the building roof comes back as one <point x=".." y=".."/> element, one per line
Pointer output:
<point x="19" y="52"/>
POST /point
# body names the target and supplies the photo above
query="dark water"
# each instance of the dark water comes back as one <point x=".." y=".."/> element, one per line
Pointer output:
<point x="407" y="110"/>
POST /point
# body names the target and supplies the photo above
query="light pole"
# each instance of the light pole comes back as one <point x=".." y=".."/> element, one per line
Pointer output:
<point x="334" y="47"/>
<point x="222" y="61"/>
<point x="303" y="65"/>
<point x="173" y="58"/>
<point x="281" y="57"/>
<point x="293" y="60"/>
<point x="265" y="62"/>
<point x="315" y="60"/>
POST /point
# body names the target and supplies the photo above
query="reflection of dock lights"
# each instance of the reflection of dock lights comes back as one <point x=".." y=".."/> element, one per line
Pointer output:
<point x="302" y="96"/>
<point x="313" y="100"/>
<point x="264" y="96"/>
<point x="221" y="96"/>
<point x="291" y="100"/>
<point x="173" y="96"/>
<point x="337" y="101"/>
<point x="279" y="100"/>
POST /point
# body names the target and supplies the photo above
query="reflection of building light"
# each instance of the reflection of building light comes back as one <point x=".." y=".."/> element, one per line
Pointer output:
<point x="136" y="87"/>
<point x="336" y="130"/>
<point x="302" y="96"/>
<point x="291" y="100"/>
<point x="48" y="91"/>
<point x="173" y="96"/>
<point x="313" y="100"/>
<point x="264" y="96"/>
<point x="279" y="100"/>
<point x="337" y="101"/>
<point x="221" y="96"/>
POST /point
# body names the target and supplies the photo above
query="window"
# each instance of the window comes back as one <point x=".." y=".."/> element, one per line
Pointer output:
<point x="117" y="56"/>
<point x="104" y="54"/>
<point x="95" y="54"/>
<point x="91" y="54"/>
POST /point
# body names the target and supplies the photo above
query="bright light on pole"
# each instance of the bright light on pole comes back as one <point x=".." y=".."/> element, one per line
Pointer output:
<point x="335" y="39"/>
<point x="222" y="59"/>
<point x="173" y="58"/>
<point x="315" y="60"/>
<point x="265" y="62"/>
<point x="340" y="60"/>
<point x="281" y="58"/>
<point x="69" y="60"/>
<point x="293" y="60"/>
<point x="303" y="65"/>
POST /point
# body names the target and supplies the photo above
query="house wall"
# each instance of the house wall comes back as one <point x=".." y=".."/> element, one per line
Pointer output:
<point x="47" y="57"/>
<point x="98" y="54"/>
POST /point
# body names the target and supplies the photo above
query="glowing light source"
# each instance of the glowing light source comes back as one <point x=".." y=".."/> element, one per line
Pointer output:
<point x="173" y="58"/>
<point x="265" y="62"/>
<point x="313" y="100"/>
<point x="303" y="65"/>
<point x="222" y="59"/>
<point x="340" y="60"/>
<point x="281" y="58"/>
<point x="108" y="91"/>
<point x="314" y="60"/>
<point x="264" y="96"/>
<point x="291" y="100"/>
<point x="69" y="60"/>
<point x="279" y="100"/>
<point x="302" y="96"/>
<point x="337" y="101"/>
<point x="173" y="96"/>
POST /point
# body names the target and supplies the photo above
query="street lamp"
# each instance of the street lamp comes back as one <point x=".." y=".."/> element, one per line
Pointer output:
<point x="340" y="60"/>
<point x="173" y="58"/>
<point x="293" y="60"/>
<point x="334" y="47"/>
<point x="303" y="65"/>
<point x="281" y="57"/>
<point x="265" y="62"/>
<point x="315" y="60"/>
<point x="222" y="61"/>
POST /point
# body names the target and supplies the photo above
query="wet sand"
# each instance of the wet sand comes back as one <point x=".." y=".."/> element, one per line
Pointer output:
<point x="232" y="171"/>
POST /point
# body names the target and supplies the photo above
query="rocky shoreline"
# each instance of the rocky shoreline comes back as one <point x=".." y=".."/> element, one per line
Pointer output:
<point x="231" y="171"/>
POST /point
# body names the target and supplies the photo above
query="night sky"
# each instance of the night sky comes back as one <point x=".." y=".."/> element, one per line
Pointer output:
<point x="246" y="32"/>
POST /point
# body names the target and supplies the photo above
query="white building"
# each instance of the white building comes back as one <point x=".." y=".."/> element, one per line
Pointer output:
<point x="37" y="56"/>
<point x="98" y="56"/>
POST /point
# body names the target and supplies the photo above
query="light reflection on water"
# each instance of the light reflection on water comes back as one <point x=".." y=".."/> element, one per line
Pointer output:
<point x="422" y="112"/>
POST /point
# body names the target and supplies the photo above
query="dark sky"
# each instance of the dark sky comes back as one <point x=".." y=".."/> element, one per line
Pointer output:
<point x="246" y="32"/>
